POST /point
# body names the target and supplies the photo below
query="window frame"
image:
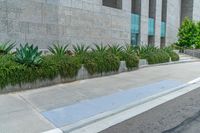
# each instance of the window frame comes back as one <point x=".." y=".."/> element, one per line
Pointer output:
<point x="117" y="6"/>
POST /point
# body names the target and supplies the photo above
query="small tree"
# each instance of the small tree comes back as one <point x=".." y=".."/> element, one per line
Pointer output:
<point x="187" y="33"/>
<point x="197" y="39"/>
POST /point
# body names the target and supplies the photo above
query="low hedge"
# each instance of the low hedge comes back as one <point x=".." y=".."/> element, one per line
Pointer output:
<point x="157" y="57"/>
<point x="96" y="62"/>
<point x="12" y="73"/>
<point x="174" y="56"/>
<point x="131" y="59"/>
<point x="67" y="66"/>
<point x="100" y="62"/>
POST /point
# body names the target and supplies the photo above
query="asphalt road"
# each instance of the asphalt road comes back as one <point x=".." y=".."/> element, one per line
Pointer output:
<point x="181" y="115"/>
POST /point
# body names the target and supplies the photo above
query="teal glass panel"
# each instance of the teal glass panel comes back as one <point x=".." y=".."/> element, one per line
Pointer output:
<point x="134" y="39"/>
<point x="151" y="27"/>
<point x="135" y="23"/>
<point x="163" y="29"/>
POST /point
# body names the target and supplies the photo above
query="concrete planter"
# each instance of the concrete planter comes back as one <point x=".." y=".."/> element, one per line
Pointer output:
<point x="122" y="67"/>
<point x="82" y="74"/>
<point x="192" y="52"/>
<point x="143" y="62"/>
<point x="109" y="73"/>
<point x="28" y="86"/>
<point x="170" y="59"/>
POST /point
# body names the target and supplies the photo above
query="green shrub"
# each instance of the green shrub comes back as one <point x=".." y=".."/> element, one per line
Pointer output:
<point x="97" y="62"/>
<point x="91" y="64"/>
<point x="129" y="49"/>
<point x="132" y="60"/>
<point x="187" y="35"/>
<point x="28" y="65"/>
<point x="156" y="57"/>
<point x="153" y="54"/>
<point x="174" y="56"/>
<point x="80" y="49"/>
<point x="58" y="49"/>
<point x="28" y="55"/>
<point x="14" y="73"/>
<point x="142" y="51"/>
<point x="197" y="45"/>
<point x="6" y="47"/>
<point x="68" y="67"/>
<point x="130" y="57"/>
<point x="100" y="48"/>
<point x="116" y="50"/>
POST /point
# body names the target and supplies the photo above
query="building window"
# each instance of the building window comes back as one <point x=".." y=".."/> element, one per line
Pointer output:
<point x="113" y="3"/>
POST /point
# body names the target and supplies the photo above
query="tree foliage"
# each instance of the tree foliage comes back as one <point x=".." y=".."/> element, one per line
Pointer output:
<point x="187" y="35"/>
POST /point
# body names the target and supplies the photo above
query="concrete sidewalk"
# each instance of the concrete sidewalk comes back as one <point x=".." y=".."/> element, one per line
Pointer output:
<point x="21" y="112"/>
<point x="184" y="57"/>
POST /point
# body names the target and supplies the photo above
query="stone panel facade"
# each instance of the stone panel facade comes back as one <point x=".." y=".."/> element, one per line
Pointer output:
<point x="196" y="10"/>
<point x="43" y="22"/>
<point x="173" y="20"/>
<point x="144" y="22"/>
<point x="158" y="19"/>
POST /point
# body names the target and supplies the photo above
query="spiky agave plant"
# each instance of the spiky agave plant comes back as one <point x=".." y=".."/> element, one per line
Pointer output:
<point x="115" y="49"/>
<point x="143" y="50"/>
<point x="99" y="48"/>
<point x="168" y="49"/>
<point x="80" y="49"/>
<point x="6" y="47"/>
<point x="129" y="49"/>
<point x="59" y="50"/>
<point x="28" y="55"/>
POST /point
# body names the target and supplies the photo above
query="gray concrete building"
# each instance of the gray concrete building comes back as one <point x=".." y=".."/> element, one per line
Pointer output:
<point x="43" y="22"/>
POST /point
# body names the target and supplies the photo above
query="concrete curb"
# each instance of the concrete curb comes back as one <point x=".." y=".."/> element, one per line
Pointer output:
<point x="57" y="130"/>
<point x="169" y="63"/>
<point x="107" y="119"/>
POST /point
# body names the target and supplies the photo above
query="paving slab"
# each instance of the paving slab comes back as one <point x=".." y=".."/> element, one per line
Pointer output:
<point x="11" y="103"/>
<point x="26" y="121"/>
<point x="16" y="116"/>
<point x="48" y="99"/>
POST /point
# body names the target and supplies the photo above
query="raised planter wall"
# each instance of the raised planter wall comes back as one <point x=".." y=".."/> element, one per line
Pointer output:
<point x="82" y="74"/>
<point x="194" y="53"/>
<point x="143" y="62"/>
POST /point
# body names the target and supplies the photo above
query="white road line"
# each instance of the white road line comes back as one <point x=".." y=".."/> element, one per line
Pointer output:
<point x="103" y="124"/>
<point x="56" y="130"/>
<point x="130" y="112"/>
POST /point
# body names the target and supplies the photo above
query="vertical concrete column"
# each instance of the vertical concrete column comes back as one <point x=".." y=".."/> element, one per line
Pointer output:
<point x="196" y="10"/>
<point x="173" y="20"/>
<point x="126" y="5"/>
<point x="186" y="9"/>
<point x="158" y="19"/>
<point x="144" y="22"/>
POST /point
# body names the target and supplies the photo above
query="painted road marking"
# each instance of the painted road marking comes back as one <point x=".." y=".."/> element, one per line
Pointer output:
<point x="85" y="109"/>
<point x="57" y="130"/>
